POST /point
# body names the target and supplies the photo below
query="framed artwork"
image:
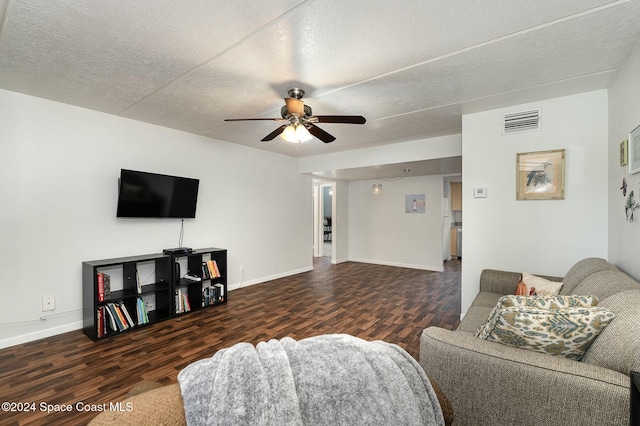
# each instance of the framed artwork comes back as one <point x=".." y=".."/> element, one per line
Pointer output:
<point x="414" y="203"/>
<point x="540" y="175"/>
<point x="624" y="153"/>
<point x="634" y="150"/>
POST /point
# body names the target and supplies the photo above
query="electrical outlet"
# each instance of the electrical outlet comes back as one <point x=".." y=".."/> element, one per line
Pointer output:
<point x="48" y="302"/>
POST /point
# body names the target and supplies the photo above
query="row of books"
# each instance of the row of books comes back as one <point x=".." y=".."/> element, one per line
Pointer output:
<point x="212" y="294"/>
<point x="182" y="301"/>
<point x="116" y="317"/>
<point x="210" y="270"/>
<point x="104" y="286"/>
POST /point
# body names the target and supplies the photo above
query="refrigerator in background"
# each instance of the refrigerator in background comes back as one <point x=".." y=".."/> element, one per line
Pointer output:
<point x="446" y="229"/>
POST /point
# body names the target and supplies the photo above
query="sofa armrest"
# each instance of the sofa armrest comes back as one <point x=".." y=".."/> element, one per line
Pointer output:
<point x="501" y="282"/>
<point x="159" y="406"/>
<point x="504" y="282"/>
<point x="489" y="383"/>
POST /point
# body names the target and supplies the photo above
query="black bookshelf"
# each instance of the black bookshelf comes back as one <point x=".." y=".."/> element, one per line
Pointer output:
<point x="160" y="286"/>
<point x="211" y="290"/>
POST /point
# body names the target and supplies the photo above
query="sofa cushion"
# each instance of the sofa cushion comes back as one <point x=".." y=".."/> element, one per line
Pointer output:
<point x="549" y="301"/>
<point x="606" y="283"/>
<point x="541" y="285"/>
<point x="543" y="301"/>
<point x="618" y="346"/>
<point x="582" y="270"/>
<point x="565" y="332"/>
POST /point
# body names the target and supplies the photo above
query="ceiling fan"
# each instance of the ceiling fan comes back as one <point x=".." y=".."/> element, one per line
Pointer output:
<point x="300" y="121"/>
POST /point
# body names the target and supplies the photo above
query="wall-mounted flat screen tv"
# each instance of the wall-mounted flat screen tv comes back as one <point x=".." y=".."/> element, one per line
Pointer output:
<point x="151" y="195"/>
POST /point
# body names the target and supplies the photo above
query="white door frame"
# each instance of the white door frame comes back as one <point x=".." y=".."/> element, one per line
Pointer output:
<point x="318" y="217"/>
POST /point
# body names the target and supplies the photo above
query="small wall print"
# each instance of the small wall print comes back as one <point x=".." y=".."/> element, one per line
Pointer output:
<point x="634" y="151"/>
<point x="624" y="152"/>
<point x="414" y="203"/>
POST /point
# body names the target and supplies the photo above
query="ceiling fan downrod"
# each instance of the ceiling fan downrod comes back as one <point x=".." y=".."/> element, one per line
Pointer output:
<point x="296" y="93"/>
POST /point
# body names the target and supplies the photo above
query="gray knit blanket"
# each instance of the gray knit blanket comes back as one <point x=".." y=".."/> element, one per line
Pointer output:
<point x="324" y="380"/>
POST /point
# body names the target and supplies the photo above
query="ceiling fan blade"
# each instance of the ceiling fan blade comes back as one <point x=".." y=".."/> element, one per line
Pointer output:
<point x="273" y="134"/>
<point x="295" y="106"/>
<point x="319" y="133"/>
<point x="253" y="119"/>
<point x="346" y="119"/>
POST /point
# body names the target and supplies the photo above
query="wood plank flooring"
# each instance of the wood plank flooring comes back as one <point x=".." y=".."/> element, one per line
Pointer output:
<point x="372" y="302"/>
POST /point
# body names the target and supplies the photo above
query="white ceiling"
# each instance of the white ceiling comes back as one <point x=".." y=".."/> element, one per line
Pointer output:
<point x="412" y="67"/>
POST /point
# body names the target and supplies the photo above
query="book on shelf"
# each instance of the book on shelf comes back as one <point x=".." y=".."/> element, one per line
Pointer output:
<point x="208" y="296"/>
<point x="182" y="302"/>
<point x="115" y="319"/>
<point x="104" y="286"/>
<point x="100" y="287"/>
<point x="185" y="302"/>
<point x="141" y="311"/>
<point x="212" y="294"/>
<point x="127" y="316"/>
<point x="100" y="278"/>
<point x="138" y="283"/>
<point x="212" y="267"/>
<point x="220" y="292"/>
<point x="114" y="315"/>
<point x="206" y="273"/>
<point x="109" y="319"/>
<point x="100" y="322"/>
<point x="107" y="286"/>
<point x="121" y="316"/>
<point x="105" y="320"/>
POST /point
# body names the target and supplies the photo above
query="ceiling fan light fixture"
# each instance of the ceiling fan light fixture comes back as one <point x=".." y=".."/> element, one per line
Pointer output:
<point x="289" y="134"/>
<point x="302" y="127"/>
<point x="296" y="134"/>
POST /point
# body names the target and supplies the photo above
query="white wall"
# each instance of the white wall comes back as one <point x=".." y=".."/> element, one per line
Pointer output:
<point x="381" y="232"/>
<point x="545" y="237"/>
<point x="624" y="116"/>
<point x="340" y="244"/>
<point x="423" y="149"/>
<point x="59" y="166"/>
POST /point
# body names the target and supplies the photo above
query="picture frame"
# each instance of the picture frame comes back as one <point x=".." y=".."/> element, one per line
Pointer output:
<point x="540" y="175"/>
<point x="634" y="151"/>
<point x="624" y="152"/>
<point x="415" y="203"/>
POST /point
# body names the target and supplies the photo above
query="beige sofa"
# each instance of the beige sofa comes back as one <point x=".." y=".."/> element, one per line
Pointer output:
<point x="489" y="383"/>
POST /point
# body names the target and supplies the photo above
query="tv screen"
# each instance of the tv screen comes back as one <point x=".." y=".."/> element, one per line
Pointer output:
<point x="152" y="195"/>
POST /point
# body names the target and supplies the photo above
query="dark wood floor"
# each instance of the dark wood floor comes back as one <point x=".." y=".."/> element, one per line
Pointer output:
<point x="373" y="302"/>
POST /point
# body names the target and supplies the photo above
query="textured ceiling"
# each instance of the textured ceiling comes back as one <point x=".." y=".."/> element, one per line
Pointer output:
<point x="411" y="67"/>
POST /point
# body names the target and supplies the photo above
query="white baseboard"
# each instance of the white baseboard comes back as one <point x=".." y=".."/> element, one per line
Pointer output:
<point x="400" y="265"/>
<point x="255" y="281"/>
<point x="77" y="325"/>
<point x="40" y="334"/>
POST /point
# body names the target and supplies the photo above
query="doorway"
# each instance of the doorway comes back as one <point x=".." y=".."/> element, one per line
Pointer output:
<point x="323" y="221"/>
<point x="327" y="220"/>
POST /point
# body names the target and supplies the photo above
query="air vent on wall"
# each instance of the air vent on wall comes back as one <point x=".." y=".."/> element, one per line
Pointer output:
<point x="524" y="121"/>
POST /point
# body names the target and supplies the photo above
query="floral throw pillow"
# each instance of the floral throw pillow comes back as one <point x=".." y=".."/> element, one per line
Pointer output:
<point x="551" y="301"/>
<point x="566" y="332"/>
